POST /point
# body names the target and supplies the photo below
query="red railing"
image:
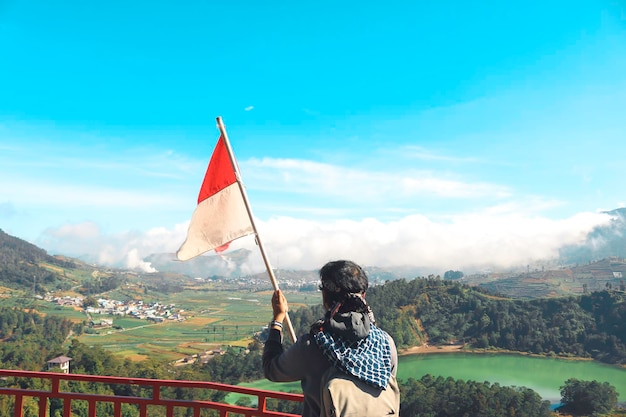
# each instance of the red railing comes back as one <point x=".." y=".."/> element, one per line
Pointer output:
<point x="57" y="387"/>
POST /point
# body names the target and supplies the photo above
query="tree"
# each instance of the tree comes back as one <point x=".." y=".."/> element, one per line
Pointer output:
<point x="453" y="275"/>
<point x="90" y="302"/>
<point x="446" y="397"/>
<point x="588" y="397"/>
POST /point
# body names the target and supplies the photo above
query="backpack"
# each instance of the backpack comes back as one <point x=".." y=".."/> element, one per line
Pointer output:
<point x="345" y="395"/>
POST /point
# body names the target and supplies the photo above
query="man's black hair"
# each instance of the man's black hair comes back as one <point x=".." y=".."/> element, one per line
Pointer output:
<point x="340" y="278"/>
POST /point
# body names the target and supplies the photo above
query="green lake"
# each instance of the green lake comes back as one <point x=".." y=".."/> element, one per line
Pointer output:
<point x="543" y="375"/>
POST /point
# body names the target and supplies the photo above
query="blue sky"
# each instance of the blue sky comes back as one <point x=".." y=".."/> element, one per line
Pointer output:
<point x="444" y="135"/>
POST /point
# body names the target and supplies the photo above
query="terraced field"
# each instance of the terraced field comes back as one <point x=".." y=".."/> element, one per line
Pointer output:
<point x="213" y="319"/>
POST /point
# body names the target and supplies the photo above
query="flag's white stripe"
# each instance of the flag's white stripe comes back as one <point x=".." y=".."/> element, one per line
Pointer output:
<point x="216" y="221"/>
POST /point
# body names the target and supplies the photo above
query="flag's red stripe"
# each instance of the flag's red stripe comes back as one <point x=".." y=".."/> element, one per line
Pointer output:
<point x="220" y="173"/>
<point x="222" y="248"/>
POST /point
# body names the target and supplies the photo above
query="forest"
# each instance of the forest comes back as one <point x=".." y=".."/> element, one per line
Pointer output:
<point x="445" y="312"/>
<point x="20" y="265"/>
<point x="413" y="312"/>
<point x="29" y="339"/>
<point x="428" y="396"/>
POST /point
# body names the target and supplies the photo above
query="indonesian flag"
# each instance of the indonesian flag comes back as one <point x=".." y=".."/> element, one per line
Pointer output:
<point x="221" y="214"/>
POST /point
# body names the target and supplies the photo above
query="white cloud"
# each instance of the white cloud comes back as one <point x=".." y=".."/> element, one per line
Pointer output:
<point x="418" y="152"/>
<point x="500" y="228"/>
<point x="134" y="261"/>
<point x="49" y="194"/>
<point x="491" y="239"/>
<point x="86" y="241"/>
<point x="42" y="175"/>
<point x="306" y="177"/>
<point x="469" y="242"/>
<point x="249" y="108"/>
<point x="83" y="231"/>
<point x="450" y="188"/>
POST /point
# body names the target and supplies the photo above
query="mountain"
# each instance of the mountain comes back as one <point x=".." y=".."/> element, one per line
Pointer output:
<point x="603" y="242"/>
<point x="26" y="266"/>
<point x="232" y="264"/>
<point x="23" y="265"/>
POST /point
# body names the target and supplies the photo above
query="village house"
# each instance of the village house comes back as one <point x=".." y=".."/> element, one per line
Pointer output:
<point x="60" y="362"/>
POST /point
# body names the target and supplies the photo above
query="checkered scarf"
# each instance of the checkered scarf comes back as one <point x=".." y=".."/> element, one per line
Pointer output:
<point x="368" y="359"/>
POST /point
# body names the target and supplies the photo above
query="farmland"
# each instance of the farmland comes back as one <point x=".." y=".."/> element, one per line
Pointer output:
<point x="213" y="319"/>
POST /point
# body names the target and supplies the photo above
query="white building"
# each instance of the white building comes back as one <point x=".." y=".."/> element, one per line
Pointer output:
<point x="61" y="362"/>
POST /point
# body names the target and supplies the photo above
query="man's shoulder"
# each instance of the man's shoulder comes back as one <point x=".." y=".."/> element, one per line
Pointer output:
<point x="307" y="340"/>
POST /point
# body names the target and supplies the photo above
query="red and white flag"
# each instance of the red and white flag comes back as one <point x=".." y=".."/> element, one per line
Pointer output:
<point x="221" y="215"/>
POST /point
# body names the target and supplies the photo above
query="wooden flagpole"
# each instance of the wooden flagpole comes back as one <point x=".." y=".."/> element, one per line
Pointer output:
<point x="268" y="266"/>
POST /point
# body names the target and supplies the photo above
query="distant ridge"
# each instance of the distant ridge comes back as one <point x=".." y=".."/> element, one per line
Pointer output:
<point x="603" y="242"/>
<point x="21" y="262"/>
<point x="232" y="264"/>
<point x="15" y="248"/>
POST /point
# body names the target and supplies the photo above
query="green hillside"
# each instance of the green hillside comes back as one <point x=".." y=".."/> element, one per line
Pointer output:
<point x="24" y="266"/>
<point x="603" y="242"/>
<point x="607" y="273"/>
<point x="28" y="269"/>
<point x="443" y="312"/>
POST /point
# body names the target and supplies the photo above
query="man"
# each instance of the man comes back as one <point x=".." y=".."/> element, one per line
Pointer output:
<point x="346" y="338"/>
